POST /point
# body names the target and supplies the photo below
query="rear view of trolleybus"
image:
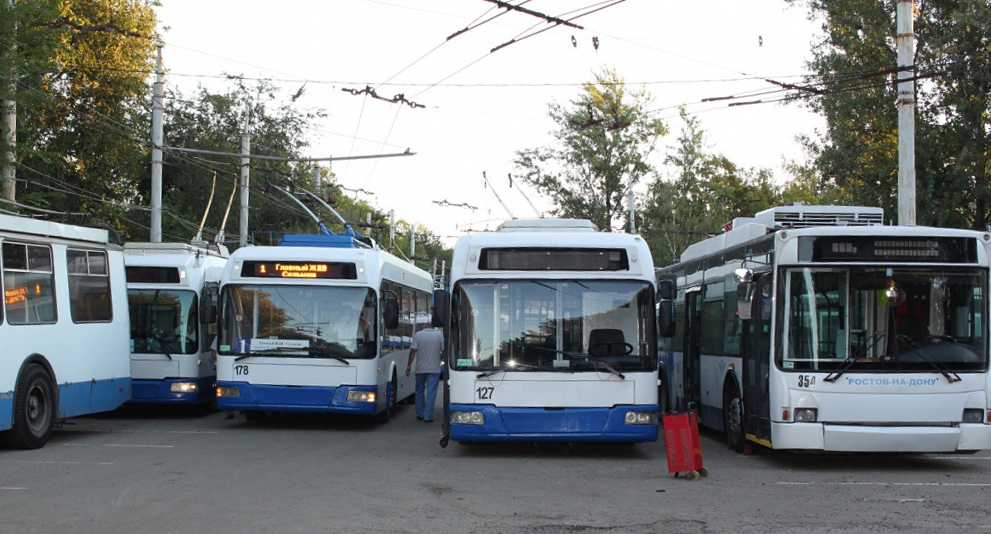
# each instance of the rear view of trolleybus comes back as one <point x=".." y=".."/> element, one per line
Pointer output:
<point x="172" y="294"/>
<point x="552" y="335"/>
<point x="818" y="328"/>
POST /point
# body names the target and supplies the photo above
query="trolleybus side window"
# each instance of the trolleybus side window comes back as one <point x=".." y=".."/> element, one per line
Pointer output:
<point x="89" y="286"/>
<point x="712" y="319"/>
<point x="29" y="284"/>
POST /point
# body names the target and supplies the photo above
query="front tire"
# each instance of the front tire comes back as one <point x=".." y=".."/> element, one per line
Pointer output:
<point x="392" y="389"/>
<point x="34" y="410"/>
<point x="662" y="398"/>
<point x="733" y="422"/>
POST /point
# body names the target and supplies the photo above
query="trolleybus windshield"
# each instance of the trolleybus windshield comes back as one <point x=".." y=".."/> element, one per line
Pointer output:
<point x="294" y="321"/>
<point x="897" y="319"/>
<point x="553" y="325"/>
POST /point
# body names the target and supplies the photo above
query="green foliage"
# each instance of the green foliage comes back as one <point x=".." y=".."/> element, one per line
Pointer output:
<point x="857" y="154"/>
<point x="605" y="136"/>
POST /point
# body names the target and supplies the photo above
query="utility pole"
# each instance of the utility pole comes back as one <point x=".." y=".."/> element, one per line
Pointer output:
<point x="906" y="112"/>
<point x="631" y="224"/>
<point x="245" y="166"/>
<point x="157" y="141"/>
<point x="10" y="120"/>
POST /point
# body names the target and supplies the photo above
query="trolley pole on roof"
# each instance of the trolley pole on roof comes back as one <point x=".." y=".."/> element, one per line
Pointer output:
<point x="157" y="140"/>
<point x="906" y="112"/>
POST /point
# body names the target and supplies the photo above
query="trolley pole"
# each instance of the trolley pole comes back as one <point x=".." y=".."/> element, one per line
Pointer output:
<point x="906" y="113"/>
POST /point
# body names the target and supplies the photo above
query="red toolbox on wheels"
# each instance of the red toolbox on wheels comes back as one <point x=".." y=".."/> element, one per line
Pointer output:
<point x="681" y="439"/>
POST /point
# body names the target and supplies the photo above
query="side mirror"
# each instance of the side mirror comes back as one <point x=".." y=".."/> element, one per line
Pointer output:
<point x="391" y="316"/>
<point x="666" y="288"/>
<point x="743" y="276"/>
<point x="208" y="306"/>
<point x="442" y="306"/>
<point x="665" y="318"/>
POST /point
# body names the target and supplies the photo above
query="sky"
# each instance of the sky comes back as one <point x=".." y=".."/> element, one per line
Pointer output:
<point x="475" y="108"/>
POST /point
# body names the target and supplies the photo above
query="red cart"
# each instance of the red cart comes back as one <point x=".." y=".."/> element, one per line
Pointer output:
<point x="681" y="439"/>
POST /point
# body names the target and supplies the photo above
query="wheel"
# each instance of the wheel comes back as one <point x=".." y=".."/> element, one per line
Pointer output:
<point x="692" y="475"/>
<point x="34" y="409"/>
<point x="390" y="402"/>
<point x="703" y="472"/>
<point x="733" y="421"/>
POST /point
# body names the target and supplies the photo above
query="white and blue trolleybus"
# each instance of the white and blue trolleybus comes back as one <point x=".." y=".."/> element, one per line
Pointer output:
<point x="818" y="328"/>
<point x="172" y="292"/>
<point x="63" y="326"/>
<point x="320" y="323"/>
<point x="552" y="335"/>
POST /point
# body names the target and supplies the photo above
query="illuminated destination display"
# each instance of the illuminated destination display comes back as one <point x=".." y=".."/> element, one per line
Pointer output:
<point x="553" y="259"/>
<point x="888" y="249"/>
<point x="299" y="269"/>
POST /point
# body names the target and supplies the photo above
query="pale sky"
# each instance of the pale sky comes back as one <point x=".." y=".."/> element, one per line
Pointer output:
<point x="480" y="107"/>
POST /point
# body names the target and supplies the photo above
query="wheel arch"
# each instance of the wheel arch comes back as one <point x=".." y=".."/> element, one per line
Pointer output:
<point x="40" y="360"/>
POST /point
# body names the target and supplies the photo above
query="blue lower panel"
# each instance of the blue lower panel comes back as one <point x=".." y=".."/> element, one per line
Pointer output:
<point x="160" y="391"/>
<point x="78" y="398"/>
<point x="560" y="425"/>
<point x="295" y="399"/>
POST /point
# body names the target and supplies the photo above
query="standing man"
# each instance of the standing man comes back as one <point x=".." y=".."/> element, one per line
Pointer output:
<point x="427" y="347"/>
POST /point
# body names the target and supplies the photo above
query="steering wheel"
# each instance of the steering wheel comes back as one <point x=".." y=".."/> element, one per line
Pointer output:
<point x="609" y="345"/>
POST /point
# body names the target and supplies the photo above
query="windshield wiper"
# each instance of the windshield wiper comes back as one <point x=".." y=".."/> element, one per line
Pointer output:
<point x="936" y="363"/>
<point x="601" y="365"/>
<point x="514" y="367"/>
<point x="852" y="359"/>
<point x="312" y="352"/>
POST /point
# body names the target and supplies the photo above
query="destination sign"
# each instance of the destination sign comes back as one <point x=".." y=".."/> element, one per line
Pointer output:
<point x="299" y="269"/>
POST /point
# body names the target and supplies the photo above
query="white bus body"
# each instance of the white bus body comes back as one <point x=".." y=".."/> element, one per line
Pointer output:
<point x="64" y="327"/>
<point x="552" y="335"/>
<point x="318" y="324"/>
<point x="168" y="286"/>
<point x="817" y="328"/>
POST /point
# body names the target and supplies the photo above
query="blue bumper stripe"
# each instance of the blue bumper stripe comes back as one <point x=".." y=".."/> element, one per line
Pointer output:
<point x="558" y="425"/>
<point x="295" y="399"/>
<point x="159" y="391"/>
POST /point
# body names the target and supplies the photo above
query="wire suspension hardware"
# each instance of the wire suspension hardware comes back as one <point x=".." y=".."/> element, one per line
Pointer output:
<point x="445" y="202"/>
<point x="370" y="91"/>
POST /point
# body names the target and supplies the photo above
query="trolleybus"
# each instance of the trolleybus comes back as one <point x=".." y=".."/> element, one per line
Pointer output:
<point x="172" y="290"/>
<point x="552" y="335"/>
<point x="818" y="328"/>
<point x="321" y="323"/>
<point x="63" y="326"/>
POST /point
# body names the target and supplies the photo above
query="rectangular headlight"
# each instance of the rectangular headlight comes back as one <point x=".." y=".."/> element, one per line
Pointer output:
<point x="361" y="396"/>
<point x="183" y="387"/>
<point x="228" y="391"/>
<point x="973" y="415"/>
<point x="467" y="418"/>
<point x="806" y="415"/>
<point x="641" y="418"/>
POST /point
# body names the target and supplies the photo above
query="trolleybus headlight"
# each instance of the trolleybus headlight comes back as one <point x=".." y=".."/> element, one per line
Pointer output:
<point x="467" y="418"/>
<point x="228" y="391"/>
<point x="973" y="415"/>
<point x="806" y="415"/>
<point x="641" y="418"/>
<point x="361" y="396"/>
<point x="183" y="387"/>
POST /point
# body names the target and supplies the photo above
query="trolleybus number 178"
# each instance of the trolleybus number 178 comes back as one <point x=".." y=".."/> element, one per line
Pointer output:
<point x="240" y="370"/>
<point x="484" y="393"/>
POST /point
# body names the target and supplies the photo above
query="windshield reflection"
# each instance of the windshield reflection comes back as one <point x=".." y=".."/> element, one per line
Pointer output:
<point x="560" y="325"/>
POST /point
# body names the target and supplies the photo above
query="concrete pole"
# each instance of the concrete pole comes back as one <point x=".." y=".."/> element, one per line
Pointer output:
<point x="10" y="123"/>
<point x="245" y="166"/>
<point x="631" y="225"/>
<point x="157" y="141"/>
<point x="906" y="113"/>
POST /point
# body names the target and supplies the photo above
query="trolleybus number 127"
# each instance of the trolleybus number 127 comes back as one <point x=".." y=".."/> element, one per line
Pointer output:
<point x="484" y="393"/>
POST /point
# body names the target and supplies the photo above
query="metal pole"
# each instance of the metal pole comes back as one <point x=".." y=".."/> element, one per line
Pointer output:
<point x="631" y="223"/>
<point x="157" y="140"/>
<point x="10" y="121"/>
<point x="245" y="166"/>
<point x="906" y="113"/>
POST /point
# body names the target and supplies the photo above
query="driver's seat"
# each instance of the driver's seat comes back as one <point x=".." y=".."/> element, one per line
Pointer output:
<point x="606" y="342"/>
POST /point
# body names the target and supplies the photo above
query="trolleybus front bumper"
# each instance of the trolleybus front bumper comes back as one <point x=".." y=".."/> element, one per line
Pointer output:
<point x="553" y="424"/>
<point x="358" y="400"/>
<point x="173" y="390"/>
<point x="962" y="437"/>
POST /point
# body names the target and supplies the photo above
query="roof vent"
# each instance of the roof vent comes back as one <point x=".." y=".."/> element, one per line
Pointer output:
<point x="799" y="216"/>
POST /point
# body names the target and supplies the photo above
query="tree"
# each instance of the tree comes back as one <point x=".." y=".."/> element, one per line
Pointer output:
<point x="605" y="136"/>
<point x="706" y="192"/>
<point x="853" y="88"/>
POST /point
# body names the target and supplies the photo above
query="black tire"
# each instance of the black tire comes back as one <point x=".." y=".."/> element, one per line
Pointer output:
<point x="34" y="409"/>
<point x="392" y="390"/>
<point x="733" y="421"/>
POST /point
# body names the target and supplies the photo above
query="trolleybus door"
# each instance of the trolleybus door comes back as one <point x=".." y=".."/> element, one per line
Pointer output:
<point x="756" y="362"/>
<point x="691" y="367"/>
